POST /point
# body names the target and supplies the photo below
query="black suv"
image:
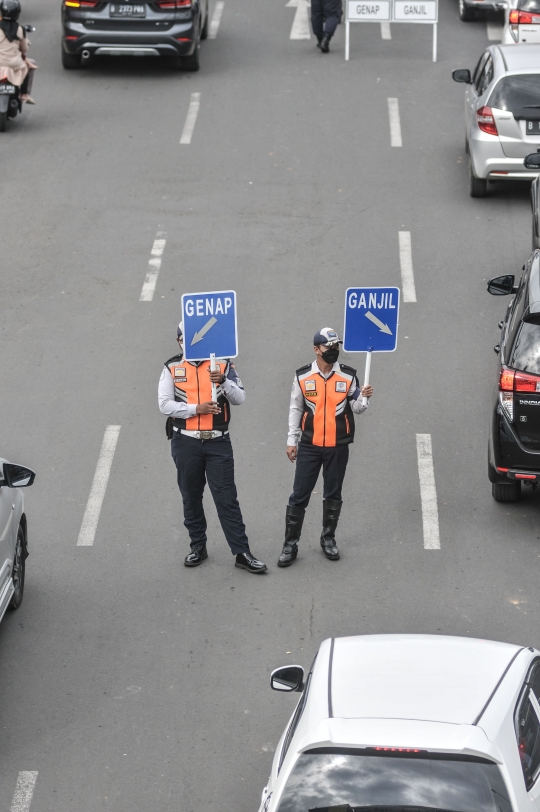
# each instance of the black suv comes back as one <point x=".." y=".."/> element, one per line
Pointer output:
<point x="159" y="28"/>
<point x="514" y="440"/>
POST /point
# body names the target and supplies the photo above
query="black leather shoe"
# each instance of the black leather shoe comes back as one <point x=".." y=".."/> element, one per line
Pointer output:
<point x="196" y="557"/>
<point x="247" y="561"/>
<point x="319" y="40"/>
<point x="331" y="511"/>
<point x="325" y="44"/>
<point x="294" y="519"/>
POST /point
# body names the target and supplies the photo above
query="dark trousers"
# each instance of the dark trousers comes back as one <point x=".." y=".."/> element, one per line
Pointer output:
<point x="325" y="17"/>
<point x="196" y="462"/>
<point x="308" y="465"/>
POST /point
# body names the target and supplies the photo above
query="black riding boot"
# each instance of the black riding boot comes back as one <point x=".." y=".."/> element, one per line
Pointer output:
<point x="294" y="519"/>
<point x="331" y="511"/>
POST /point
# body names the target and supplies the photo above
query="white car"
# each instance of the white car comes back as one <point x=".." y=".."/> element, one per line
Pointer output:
<point x="521" y="22"/>
<point x="410" y="723"/>
<point x="13" y="533"/>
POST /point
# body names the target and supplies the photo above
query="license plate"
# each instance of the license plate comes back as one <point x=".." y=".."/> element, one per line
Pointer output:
<point x="6" y="89"/>
<point x="532" y="127"/>
<point x="127" y="10"/>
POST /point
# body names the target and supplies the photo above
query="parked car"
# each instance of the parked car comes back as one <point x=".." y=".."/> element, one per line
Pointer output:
<point x="514" y="437"/>
<point x="468" y="9"/>
<point x="533" y="162"/>
<point x="168" y="28"/>
<point x="502" y="114"/>
<point x="13" y="533"/>
<point x="410" y="722"/>
<point x="521" y="22"/>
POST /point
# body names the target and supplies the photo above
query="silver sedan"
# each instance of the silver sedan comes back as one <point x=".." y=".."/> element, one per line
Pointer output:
<point x="502" y="114"/>
<point x="13" y="533"/>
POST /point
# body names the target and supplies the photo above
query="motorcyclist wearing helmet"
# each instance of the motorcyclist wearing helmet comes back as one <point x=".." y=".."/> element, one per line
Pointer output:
<point x="15" y="65"/>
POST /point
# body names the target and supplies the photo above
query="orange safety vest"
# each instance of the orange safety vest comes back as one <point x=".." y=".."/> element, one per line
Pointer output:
<point x="328" y="419"/>
<point x="192" y="385"/>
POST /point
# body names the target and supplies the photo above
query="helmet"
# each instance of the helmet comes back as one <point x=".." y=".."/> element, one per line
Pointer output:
<point x="10" y="9"/>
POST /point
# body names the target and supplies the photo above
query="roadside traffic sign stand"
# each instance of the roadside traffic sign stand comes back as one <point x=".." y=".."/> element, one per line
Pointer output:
<point x="371" y="322"/>
<point x="424" y="12"/>
<point x="210" y="327"/>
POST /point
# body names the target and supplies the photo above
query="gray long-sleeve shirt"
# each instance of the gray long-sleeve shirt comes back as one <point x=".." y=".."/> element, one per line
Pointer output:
<point x="231" y="387"/>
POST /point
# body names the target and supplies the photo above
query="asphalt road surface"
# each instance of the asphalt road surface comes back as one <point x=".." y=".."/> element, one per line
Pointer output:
<point x="128" y="682"/>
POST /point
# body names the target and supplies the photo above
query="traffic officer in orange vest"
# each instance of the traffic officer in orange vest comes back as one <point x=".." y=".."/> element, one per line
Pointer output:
<point x="325" y="397"/>
<point x="201" y="449"/>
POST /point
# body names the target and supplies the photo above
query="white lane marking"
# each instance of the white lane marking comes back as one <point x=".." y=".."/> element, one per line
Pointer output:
<point x="428" y="492"/>
<point x="395" y="126"/>
<point x="191" y="118"/>
<point x="99" y="486"/>
<point x="386" y="31"/>
<point x="405" y="261"/>
<point x="300" y="26"/>
<point x="154" y="265"/>
<point x="494" y="32"/>
<point x="24" y="789"/>
<point x="216" y="19"/>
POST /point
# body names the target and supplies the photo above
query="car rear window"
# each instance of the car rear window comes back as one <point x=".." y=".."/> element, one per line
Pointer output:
<point x="519" y="95"/>
<point x="525" y="353"/>
<point x="529" y="5"/>
<point x="341" y="780"/>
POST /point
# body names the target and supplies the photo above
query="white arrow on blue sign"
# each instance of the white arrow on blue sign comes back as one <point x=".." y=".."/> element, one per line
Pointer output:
<point x="371" y="319"/>
<point x="210" y="325"/>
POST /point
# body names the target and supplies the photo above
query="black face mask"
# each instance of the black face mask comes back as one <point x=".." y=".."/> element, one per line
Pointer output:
<point x="331" y="355"/>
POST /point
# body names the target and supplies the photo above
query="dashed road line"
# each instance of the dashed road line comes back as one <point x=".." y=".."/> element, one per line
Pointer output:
<point x="216" y="19"/>
<point x="99" y="486"/>
<point x="300" y="26"/>
<point x="154" y="265"/>
<point x="24" y="790"/>
<point x="428" y="492"/>
<point x="494" y="32"/>
<point x="191" y="118"/>
<point x="386" y="31"/>
<point x="395" y="126"/>
<point x="405" y="260"/>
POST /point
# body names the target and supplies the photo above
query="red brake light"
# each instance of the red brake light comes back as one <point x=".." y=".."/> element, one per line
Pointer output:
<point x="526" y="383"/>
<point x="485" y="120"/>
<point x="173" y="3"/>
<point x="91" y="3"/>
<point x="521" y="17"/>
<point x="396" y="750"/>
<point x="506" y="381"/>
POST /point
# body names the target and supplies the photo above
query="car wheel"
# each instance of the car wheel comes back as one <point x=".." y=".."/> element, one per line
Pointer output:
<point x="204" y="32"/>
<point x="18" y="569"/>
<point x="477" y="186"/>
<point x="191" y="63"/>
<point x="70" y="61"/>
<point x="507" y="492"/>
<point x="465" y="13"/>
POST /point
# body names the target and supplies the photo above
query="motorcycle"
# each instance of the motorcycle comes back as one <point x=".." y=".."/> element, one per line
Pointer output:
<point x="10" y="96"/>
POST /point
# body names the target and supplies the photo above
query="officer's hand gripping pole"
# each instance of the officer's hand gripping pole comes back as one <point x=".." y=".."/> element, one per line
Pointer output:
<point x="366" y="375"/>
<point x="213" y="369"/>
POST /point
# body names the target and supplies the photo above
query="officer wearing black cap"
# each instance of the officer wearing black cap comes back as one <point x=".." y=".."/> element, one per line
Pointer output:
<point x="201" y="449"/>
<point x="325" y="397"/>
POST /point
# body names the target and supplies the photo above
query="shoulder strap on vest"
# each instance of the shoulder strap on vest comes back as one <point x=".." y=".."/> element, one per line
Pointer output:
<point x="174" y="358"/>
<point x="303" y="370"/>
<point x="347" y="369"/>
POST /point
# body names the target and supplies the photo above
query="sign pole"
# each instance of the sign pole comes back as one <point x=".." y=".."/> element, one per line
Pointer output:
<point x="347" y="39"/>
<point x="366" y="375"/>
<point x="213" y="369"/>
<point x="434" y="42"/>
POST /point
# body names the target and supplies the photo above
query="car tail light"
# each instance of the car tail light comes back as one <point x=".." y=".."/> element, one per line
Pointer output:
<point x="526" y="383"/>
<point x="396" y="750"/>
<point x="506" y="381"/>
<point x="485" y="120"/>
<point x="81" y="3"/>
<point x="520" y="17"/>
<point x="173" y="3"/>
<point x="506" y="392"/>
<point x="525" y="476"/>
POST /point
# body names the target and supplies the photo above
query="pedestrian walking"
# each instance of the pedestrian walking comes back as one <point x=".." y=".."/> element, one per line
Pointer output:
<point x="201" y="448"/>
<point x="325" y="397"/>
<point x="325" y="18"/>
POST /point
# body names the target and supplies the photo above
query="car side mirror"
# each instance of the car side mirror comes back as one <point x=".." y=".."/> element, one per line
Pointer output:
<point x="462" y="75"/>
<point x="532" y="161"/>
<point x="502" y="285"/>
<point x="17" y="476"/>
<point x="289" y="678"/>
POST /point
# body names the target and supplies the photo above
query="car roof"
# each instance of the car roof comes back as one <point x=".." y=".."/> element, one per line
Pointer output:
<point x="520" y="58"/>
<point x="424" y="677"/>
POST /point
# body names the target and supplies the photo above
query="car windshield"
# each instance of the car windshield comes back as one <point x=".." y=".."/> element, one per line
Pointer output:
<point x="529" y="5"/>
<point x="341" y="782"/>
<point x="519" y="95"/>
<point x="525" y="354"/>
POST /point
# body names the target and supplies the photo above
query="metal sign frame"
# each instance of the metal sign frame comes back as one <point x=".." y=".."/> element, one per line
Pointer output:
<point x="391" y="18"/>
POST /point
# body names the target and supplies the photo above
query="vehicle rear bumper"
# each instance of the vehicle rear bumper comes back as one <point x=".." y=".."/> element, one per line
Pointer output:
<point x="128" y="43"/>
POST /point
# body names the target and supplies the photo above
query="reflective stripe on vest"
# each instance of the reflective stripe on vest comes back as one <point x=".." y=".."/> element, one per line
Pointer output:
<point x="327" y="419"/>
<point x="192" y="385"/>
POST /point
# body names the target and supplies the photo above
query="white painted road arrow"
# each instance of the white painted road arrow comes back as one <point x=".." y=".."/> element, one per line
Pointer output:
<point x="384" y="328"/>
<point x="203" y="331"/>
<point x="300" y="26"/>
